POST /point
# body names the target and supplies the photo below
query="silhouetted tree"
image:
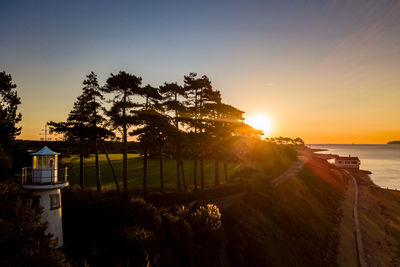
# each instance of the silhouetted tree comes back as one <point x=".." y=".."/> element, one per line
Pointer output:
<point x="208" y="96"/>
<point x="75" y="128"/>
<point x="9" y="118"/>
<point x="93" y="95"/>
<point x="84" y="122"/>
<point x="226" y="121"/>
<point x="299" y="141"/>
<point x="123" y="86"/>
<point x="156" y="128"/>
<point x="175" y="108"/>
<point x="193" y="86"/>
<point x="143" y="116"/>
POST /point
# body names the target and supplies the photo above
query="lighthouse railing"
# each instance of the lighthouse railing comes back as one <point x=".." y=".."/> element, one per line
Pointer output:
<point x="44" y="176"/>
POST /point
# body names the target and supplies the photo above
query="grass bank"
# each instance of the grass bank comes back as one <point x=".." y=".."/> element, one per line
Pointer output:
<point x="135" y="172"/>
<point x="293" y="224"/>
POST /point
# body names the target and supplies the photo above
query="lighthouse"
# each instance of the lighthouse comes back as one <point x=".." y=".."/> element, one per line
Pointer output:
<point x="45" y="180"/>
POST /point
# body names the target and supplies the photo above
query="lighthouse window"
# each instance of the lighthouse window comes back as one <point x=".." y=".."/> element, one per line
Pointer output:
<point x="37" y="162"/>
<point x="54" y="201"/>
<point x="47" y="162"/>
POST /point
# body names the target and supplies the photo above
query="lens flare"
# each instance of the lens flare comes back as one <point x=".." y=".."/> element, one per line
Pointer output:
<point x="261" y="122"/>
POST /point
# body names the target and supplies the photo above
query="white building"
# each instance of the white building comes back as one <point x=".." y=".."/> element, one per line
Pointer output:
<point x="45" y="180"/>
<point x="347" y="162"/>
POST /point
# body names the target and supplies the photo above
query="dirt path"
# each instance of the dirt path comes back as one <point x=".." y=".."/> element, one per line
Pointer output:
<point x="351" y="246"/>
<point x="347" y="248"/>
<point x="291" y="172"/>
<point x="360" y="245"/>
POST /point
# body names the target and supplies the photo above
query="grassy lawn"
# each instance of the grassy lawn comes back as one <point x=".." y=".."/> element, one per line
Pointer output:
<point x="135" y="171"/>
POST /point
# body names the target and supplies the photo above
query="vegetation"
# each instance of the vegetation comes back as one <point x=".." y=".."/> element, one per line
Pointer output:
<point x="184" y="122"/>
<point x="182" y="133"/>
<point x="293" y="224"/>
<point x="135" y="165"/>
<point x="9" y="118"/>
<point x="85" y="123"/>
<point x="394" y="143"/>
<point x="112" y="231"/>
<point x="168" y="229"/>
<point x="23" y="241"/>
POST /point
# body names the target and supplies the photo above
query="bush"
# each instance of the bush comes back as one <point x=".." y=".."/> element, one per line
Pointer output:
<point x="23" y="241"/>
<point x="112" y="230"/>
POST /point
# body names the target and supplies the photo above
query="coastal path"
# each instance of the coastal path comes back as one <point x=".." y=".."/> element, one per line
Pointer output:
<point x="349" y="237"/>
<point x="291" y="172"/>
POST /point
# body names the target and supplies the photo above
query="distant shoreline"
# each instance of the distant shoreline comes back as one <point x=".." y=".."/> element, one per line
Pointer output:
<point x="394" y="143"/>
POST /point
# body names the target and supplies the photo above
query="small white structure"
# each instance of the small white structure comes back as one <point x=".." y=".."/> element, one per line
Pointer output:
<point x="347" y="162"/>
<point x="45" y="182"/>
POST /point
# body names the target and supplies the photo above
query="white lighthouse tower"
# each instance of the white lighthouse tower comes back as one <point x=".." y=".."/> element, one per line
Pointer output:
<point x="45" y="180"/>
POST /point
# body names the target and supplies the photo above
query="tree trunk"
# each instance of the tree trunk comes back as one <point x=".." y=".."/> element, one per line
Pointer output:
<point x="111" y="166"/>
<point x="125" y="150"/>
<point x="183" y="176"/>
<point x="145" y="169"/>
<point x="202" y="172"/>
<point x="178" y="171"/>
<point x="226" y="171"/>
<point x="96" y="155"/>
<point x="195" y="173"/>
<point x="81" y="171"/>
<point x="161" y="168"/>
<point x="216" y="172"/>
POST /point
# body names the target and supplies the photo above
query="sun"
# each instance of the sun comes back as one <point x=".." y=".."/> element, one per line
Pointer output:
<point x="261" y="122"/>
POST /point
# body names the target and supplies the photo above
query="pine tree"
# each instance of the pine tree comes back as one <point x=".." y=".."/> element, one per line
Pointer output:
<point x="144" y="114"/>
<point x="175" y="108"/>
<point x="93" y="95"/>
<point x="124" y="86"/>
<point x="76" y="127"/>
<point x="193" y="86"/>
<point x="9" y="116"/>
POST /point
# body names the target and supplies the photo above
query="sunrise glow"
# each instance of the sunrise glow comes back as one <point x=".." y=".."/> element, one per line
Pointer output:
<point x="261" y="122"/>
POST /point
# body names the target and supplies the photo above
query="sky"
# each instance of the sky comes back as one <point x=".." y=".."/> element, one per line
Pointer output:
<point x="325" y="71"/>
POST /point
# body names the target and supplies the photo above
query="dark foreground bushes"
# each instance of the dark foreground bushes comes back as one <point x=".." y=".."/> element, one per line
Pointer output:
<point x="131" y="232"/>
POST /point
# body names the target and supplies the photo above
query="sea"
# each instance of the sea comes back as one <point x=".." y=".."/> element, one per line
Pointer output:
<point x="382" y="160"/>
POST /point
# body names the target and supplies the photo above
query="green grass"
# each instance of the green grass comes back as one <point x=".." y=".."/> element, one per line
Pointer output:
<point x="293" y="224"/>
<point x="135" y="172"/>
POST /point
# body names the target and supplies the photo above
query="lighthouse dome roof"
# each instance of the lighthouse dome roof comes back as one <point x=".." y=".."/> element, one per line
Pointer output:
<point x="45" y="151"/>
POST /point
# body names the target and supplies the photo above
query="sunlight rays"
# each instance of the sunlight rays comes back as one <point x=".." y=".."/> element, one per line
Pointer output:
<point x="261" y="122"/>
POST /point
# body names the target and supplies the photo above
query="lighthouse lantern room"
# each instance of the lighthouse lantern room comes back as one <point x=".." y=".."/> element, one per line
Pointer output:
<point x="45" y="180"/>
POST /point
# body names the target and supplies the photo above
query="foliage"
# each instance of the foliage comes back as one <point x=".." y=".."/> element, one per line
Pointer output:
<point x="9" y="116"/>
<point x="23" y="241"/>
<point x="123" y="86"/>
<point x="111" y="230"/>
<point x="85" y="122"/>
